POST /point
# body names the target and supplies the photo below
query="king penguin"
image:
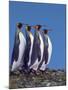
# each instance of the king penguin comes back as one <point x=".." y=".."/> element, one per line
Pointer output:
<point x="31" y="40"/>
<point x="19" y="48"/>
<point x="47" y="51"/>
<point x="38" y="48"/>
<point x="29" y="45"/>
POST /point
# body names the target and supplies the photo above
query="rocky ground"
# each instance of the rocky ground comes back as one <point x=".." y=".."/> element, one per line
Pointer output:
<point x="46" y="79"/>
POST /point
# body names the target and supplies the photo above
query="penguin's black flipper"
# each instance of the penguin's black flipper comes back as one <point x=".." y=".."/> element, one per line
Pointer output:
<point x="27" y="50"/>
<point x="15" y="52"/>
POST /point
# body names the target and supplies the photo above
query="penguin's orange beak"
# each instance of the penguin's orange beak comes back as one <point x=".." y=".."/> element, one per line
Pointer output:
<point x="34" y="26"/>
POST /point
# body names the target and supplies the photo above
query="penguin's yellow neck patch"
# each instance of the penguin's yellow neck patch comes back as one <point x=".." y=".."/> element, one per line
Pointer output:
<point x="31" y="36"/>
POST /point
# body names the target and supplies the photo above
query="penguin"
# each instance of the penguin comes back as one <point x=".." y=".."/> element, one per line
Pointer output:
<point x="47" y="51"/>
<point x="29" y="45"/>
<point x="30" y="53"/>
<point x="38" y="48"/>
<point x="19" y="48"/>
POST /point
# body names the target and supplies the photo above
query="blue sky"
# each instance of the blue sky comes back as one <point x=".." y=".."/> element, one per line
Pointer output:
<point x="52" y="15"/>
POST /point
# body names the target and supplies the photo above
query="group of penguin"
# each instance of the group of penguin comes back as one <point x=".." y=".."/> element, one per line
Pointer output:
<point x="31" y="52"/>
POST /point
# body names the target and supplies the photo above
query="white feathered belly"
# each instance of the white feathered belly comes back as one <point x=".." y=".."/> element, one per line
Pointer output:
<point x="41" y="47"/>
<point x="49" y="50"/>
<point x="21" y="47"/>
<point x="31" y="38"/>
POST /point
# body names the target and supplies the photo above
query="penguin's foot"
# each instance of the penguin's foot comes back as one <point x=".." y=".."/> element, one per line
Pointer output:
<point x="34" y="72"/>
<point x="42" y="71"/>
<point x="14" y="73"/>
<point x="38" y="72"/>
<point x="21" y="71"/>
<point x="25" y="71"/>
<point x="11" y="73"/>
<point x="28" y="71"/>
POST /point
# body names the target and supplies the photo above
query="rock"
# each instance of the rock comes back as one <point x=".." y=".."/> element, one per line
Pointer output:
<point x="48" y="84"/>
<point x="49" y="78"/>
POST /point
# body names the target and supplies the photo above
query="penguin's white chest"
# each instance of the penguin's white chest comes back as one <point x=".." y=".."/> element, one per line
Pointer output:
<point x="49" y="49"/>
<point x="31" y="38"/>
<point x="22" y="45"/>
<point x="41" y="46"/>
<point x="22" y="39"/>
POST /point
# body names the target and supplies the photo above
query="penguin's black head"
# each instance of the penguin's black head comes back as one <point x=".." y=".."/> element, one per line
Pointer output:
<point x="45" y="31"/>
<point x="19" y="25"/>
<point x="28" y="28"/>
<point x="37" y="27"/>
